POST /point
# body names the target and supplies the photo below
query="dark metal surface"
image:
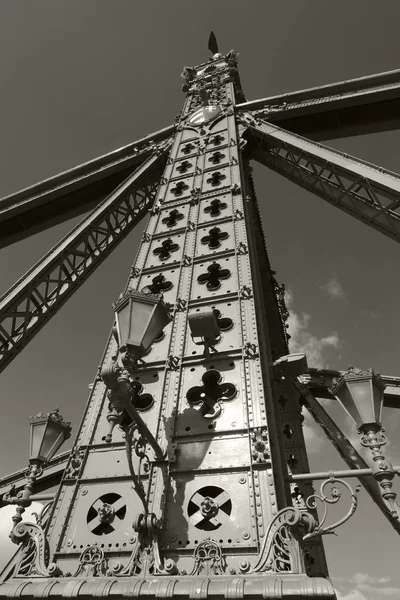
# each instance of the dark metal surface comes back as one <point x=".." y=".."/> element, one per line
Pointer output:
<point x="347" y="108"/>
<point x="40" y="293"/>
<point x="72" y="192"/>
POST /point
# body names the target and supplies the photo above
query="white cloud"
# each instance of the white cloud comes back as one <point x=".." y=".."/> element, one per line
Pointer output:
<point x="333" y="288"/>
<point x="302" y="340"/>
<point x="352" y="595"/>
<point x="368" y="587"/>
<point x="363" y="578"/>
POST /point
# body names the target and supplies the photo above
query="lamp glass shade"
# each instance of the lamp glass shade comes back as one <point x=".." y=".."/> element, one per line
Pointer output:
<point x="48" y="432"/>
<point x="362" y="397"/>
<point x="140" y="319"/>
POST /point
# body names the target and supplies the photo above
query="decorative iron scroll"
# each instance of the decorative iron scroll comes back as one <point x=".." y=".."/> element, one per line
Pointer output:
<point x="92" y="563"/>
<point x="282" y="549"/>
<point x="208" y="559"/>
<point x="134" y="440"/>
<point x="328" y="499"/>
<point x="34" y="554"/>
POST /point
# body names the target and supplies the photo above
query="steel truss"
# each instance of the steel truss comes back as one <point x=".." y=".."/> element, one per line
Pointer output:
<point x="369" y="193"/>
<point x="357" y="106"/>
<point x="41" y="292"/>
<point x="73" y="192"/>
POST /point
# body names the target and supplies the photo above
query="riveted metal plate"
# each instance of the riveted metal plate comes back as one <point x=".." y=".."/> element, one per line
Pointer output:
<point x="106" y="462"/>
<point x="212" y="208"/>
<point x="220" y="452"/>
<point x="183" y="167"/>
<point x="224" y="283"/>
<point x="228" y="519"/>
<point x="179" y="189"/>
<point x="85" y="526"/>
<point x="216" y="179"/>
<point x="209" y="240"/>
<point x="233" y="412"/>
<point x="164" y="280"/>
<point x="230" y="334"/>
<point x="166" y="249"/>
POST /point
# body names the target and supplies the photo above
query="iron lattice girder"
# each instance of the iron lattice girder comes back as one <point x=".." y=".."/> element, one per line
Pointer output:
<point x="39" y="294"/>
<point x="369" y="193"/>
<point x="357" y="106"/>
<point x="72" y="192"/>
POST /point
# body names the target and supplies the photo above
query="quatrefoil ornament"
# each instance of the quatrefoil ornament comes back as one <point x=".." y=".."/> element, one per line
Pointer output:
<point x="173" y="218"/>
<point x="165" y="250"/>
<point x="213" y="276"/>
<point x="158" y="286"/>
<point x="211" y="394"/>
<point x="215" y="207"/>
<point x="214" y="238"/>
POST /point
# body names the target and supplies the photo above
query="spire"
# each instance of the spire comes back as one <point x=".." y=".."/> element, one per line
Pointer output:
<point x="213" y="44"/>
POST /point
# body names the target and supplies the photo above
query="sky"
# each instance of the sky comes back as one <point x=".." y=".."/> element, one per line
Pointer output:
<point x="79" y="79"/>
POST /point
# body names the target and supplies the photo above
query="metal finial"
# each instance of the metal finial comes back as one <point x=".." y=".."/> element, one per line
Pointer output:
<point x="213" y="44"/>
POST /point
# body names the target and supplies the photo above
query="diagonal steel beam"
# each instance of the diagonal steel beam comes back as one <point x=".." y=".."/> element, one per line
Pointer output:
<point x="73" y="192"/>
<point x="37" y="296"/>
<point x="369" y="193"/>
<point x="357" y="106"/>
<point x="346" y="450"/>
<point x="52" y="473"/>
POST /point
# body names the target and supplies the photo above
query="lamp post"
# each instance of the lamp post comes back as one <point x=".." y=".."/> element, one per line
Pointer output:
<point x="140" y="318"/>
<point x="48" y="431"/>
<point x="361" y="395"/>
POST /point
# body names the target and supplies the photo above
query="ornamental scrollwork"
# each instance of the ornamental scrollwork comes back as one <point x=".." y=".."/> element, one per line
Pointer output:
<point x="33" y="556"/>
<point x="208" y="559"/>
<point x="330" y="498"/>
<point x="92" y="563"/>
<point x="282" y="548"/>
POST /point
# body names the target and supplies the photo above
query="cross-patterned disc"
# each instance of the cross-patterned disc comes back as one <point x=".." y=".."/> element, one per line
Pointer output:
<point x="106" y="513"/>
<point x="209" y="508"/>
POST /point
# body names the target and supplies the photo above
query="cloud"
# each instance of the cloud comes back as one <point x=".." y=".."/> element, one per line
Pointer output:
<point x="370" y="314"/>
<point x="302" y="340"/>
<point x="333" y="288"/>
<point x="363" y="578"/>
<point x="352" y="595"/>
<point x="368" y="587"/>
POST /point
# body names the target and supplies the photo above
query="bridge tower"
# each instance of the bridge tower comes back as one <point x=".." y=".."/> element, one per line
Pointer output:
<point x="188" y="491"/>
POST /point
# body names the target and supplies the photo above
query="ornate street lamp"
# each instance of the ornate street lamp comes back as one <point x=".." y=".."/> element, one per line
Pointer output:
<point x="140" y="318"/>
<point x="48" y="431"/>
<point x="361" y="395"/>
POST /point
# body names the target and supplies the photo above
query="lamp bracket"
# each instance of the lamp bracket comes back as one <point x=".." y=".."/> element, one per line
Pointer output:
<point x="282" y="549"/>
<point x="32" y="558"/>
<point x="330" y="498"/>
